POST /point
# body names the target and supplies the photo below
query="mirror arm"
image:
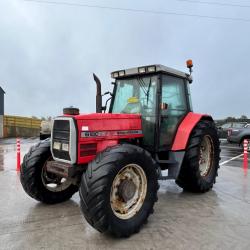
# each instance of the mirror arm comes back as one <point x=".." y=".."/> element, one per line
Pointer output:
<point x="106" y="103"/>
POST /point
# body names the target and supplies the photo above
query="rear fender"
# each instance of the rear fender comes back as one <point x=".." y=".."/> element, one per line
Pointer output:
<point x="185" y="129"/>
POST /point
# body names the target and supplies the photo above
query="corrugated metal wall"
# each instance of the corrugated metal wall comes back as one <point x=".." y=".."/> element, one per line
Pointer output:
<point x="1" y="126"/>
<point x="1" y="101"/>
<point x="17" y="126"/>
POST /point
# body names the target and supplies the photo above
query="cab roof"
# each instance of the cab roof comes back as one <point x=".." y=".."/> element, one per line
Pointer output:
<point x="142" y="70"/>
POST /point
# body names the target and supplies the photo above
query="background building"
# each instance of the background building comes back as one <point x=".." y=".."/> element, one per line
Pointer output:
<point x="1" y="110"/>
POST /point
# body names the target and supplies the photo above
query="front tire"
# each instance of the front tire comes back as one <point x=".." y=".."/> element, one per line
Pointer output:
<point x="200" y="166"/>
<point x="119" y="189"/>
<point x="38" y="183"/>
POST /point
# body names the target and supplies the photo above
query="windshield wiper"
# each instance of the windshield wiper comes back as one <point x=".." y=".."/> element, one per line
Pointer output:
<point x="149" y="86"/>
<point x="142" y="85"/>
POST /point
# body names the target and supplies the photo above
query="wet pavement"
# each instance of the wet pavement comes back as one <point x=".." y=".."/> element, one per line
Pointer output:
<point x="219" y="219"/>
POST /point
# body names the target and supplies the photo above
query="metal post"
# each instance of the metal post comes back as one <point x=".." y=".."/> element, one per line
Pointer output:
<point x="245" y="161"/>
<point x="18" y="155"/>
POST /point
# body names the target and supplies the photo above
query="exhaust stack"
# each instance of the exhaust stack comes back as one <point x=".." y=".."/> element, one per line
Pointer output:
<point x="98" y="94"/>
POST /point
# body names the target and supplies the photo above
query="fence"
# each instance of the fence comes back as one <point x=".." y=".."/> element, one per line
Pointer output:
<point x="17" y="126"/>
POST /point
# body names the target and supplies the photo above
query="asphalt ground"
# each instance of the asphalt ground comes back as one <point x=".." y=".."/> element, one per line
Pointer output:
<point x="219" y="219"/>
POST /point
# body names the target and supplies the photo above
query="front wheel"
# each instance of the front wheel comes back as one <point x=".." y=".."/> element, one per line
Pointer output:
<point x="200" y="166"/>
<point x="119" y="189"/>
<point x="40" y="184"/>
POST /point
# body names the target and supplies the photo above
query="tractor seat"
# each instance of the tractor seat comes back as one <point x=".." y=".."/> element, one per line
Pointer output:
<point x="133" y="106"/>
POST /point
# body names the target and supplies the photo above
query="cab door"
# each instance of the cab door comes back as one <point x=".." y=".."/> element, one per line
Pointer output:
<point x="173" y="93"/>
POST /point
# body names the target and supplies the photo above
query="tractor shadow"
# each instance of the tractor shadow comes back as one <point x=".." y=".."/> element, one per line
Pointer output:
<point x="174" y="210"/>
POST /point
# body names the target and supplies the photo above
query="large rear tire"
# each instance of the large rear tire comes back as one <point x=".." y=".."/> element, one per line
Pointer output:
<point x="38" y="183"/>
<point x="201" y="163"/>
<point x="119" y="189"/>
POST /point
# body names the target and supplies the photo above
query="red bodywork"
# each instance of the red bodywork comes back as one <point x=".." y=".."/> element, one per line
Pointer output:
<point x="103" y="130"/>
<point x="185" y="129"/>
<point x="98" y="131"/>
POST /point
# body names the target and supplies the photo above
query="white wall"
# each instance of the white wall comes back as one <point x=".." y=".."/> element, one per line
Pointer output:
<point x="1" y="126"/>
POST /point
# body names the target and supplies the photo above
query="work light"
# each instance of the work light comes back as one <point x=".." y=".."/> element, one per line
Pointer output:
<point x="121" y="73"/>
<point x="115" y="74"/>
<point x="151" y="69"/>
<point x="142" y="70"/>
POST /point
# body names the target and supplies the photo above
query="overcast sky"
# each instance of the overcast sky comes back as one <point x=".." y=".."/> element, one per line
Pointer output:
<point x="49" y="52"/>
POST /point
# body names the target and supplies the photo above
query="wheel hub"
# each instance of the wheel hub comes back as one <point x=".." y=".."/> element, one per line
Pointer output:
<point x="127" y="190"/>
<point x="206" y="155"/>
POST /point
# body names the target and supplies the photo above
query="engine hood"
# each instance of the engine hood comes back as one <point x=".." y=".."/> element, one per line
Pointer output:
<point x="106" y="116"/>
<point x="89" y="134"/>
<point x="108" y="122"/>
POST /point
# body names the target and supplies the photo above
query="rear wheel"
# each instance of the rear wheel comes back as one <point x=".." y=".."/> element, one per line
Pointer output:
<point x="201" y="162"/>
<point x="119" y="189"/>
<point x="40" y="184"/>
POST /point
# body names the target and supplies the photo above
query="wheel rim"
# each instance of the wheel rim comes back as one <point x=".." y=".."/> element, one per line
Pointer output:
<point x="206" y="155"/>
<point x="128" y="191"/>
<point x="52" y="182"/>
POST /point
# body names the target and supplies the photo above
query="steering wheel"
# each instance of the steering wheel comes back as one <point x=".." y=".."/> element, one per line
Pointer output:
<point x="132" y="108"/>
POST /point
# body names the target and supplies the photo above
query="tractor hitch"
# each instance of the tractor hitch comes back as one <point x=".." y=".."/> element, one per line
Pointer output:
<point x="65" y="170"/>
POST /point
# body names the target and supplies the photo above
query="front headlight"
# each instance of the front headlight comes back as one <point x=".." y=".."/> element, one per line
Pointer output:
<point x="57" y="145"/>
<point x="65" y="147"/>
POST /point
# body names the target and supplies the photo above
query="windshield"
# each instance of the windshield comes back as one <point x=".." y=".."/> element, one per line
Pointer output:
<point x="135" y="96"/>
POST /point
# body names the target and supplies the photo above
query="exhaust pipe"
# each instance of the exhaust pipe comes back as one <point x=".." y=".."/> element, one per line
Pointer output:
<point x="98" y="94"/>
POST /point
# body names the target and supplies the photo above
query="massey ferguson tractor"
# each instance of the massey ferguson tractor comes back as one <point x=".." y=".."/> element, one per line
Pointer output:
<point x="116" y="157"/>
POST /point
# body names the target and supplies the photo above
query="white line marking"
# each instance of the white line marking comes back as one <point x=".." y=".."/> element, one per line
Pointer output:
<point x="234" y="158"/>
<point x="223" y="139"/>
<point x="225" y="156"/>
<point x="222" y="147"/>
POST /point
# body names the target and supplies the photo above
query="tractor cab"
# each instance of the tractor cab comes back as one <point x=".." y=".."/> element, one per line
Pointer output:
<point x="160" y="94"/>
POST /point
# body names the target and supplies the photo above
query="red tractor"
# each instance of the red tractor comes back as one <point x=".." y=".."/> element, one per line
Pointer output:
<point x="115" y="159"/>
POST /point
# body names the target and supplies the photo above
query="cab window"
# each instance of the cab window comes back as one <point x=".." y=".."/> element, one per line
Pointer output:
<point x="138" y="96"/>
<point x="174" y="95"/>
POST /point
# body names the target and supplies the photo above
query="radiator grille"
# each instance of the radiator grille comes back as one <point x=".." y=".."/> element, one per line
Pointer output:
<point x="61" y="134"/>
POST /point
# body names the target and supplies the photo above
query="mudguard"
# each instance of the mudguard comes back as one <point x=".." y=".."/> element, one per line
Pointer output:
<point x="185" y="129"/>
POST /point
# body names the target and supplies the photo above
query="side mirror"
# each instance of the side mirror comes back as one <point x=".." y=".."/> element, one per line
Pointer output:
<point x="164" y="106"/>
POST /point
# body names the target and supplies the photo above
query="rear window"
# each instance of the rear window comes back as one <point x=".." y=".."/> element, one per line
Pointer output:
<point x="239" y="125"/>
<point x="227" y="125"/>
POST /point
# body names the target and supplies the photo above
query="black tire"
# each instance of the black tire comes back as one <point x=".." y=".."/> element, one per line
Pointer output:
<point x="43" y="137"/>
<point x="190" y="178"/>
<point x="95" y="189"/>
<point x="31" y="180"/>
